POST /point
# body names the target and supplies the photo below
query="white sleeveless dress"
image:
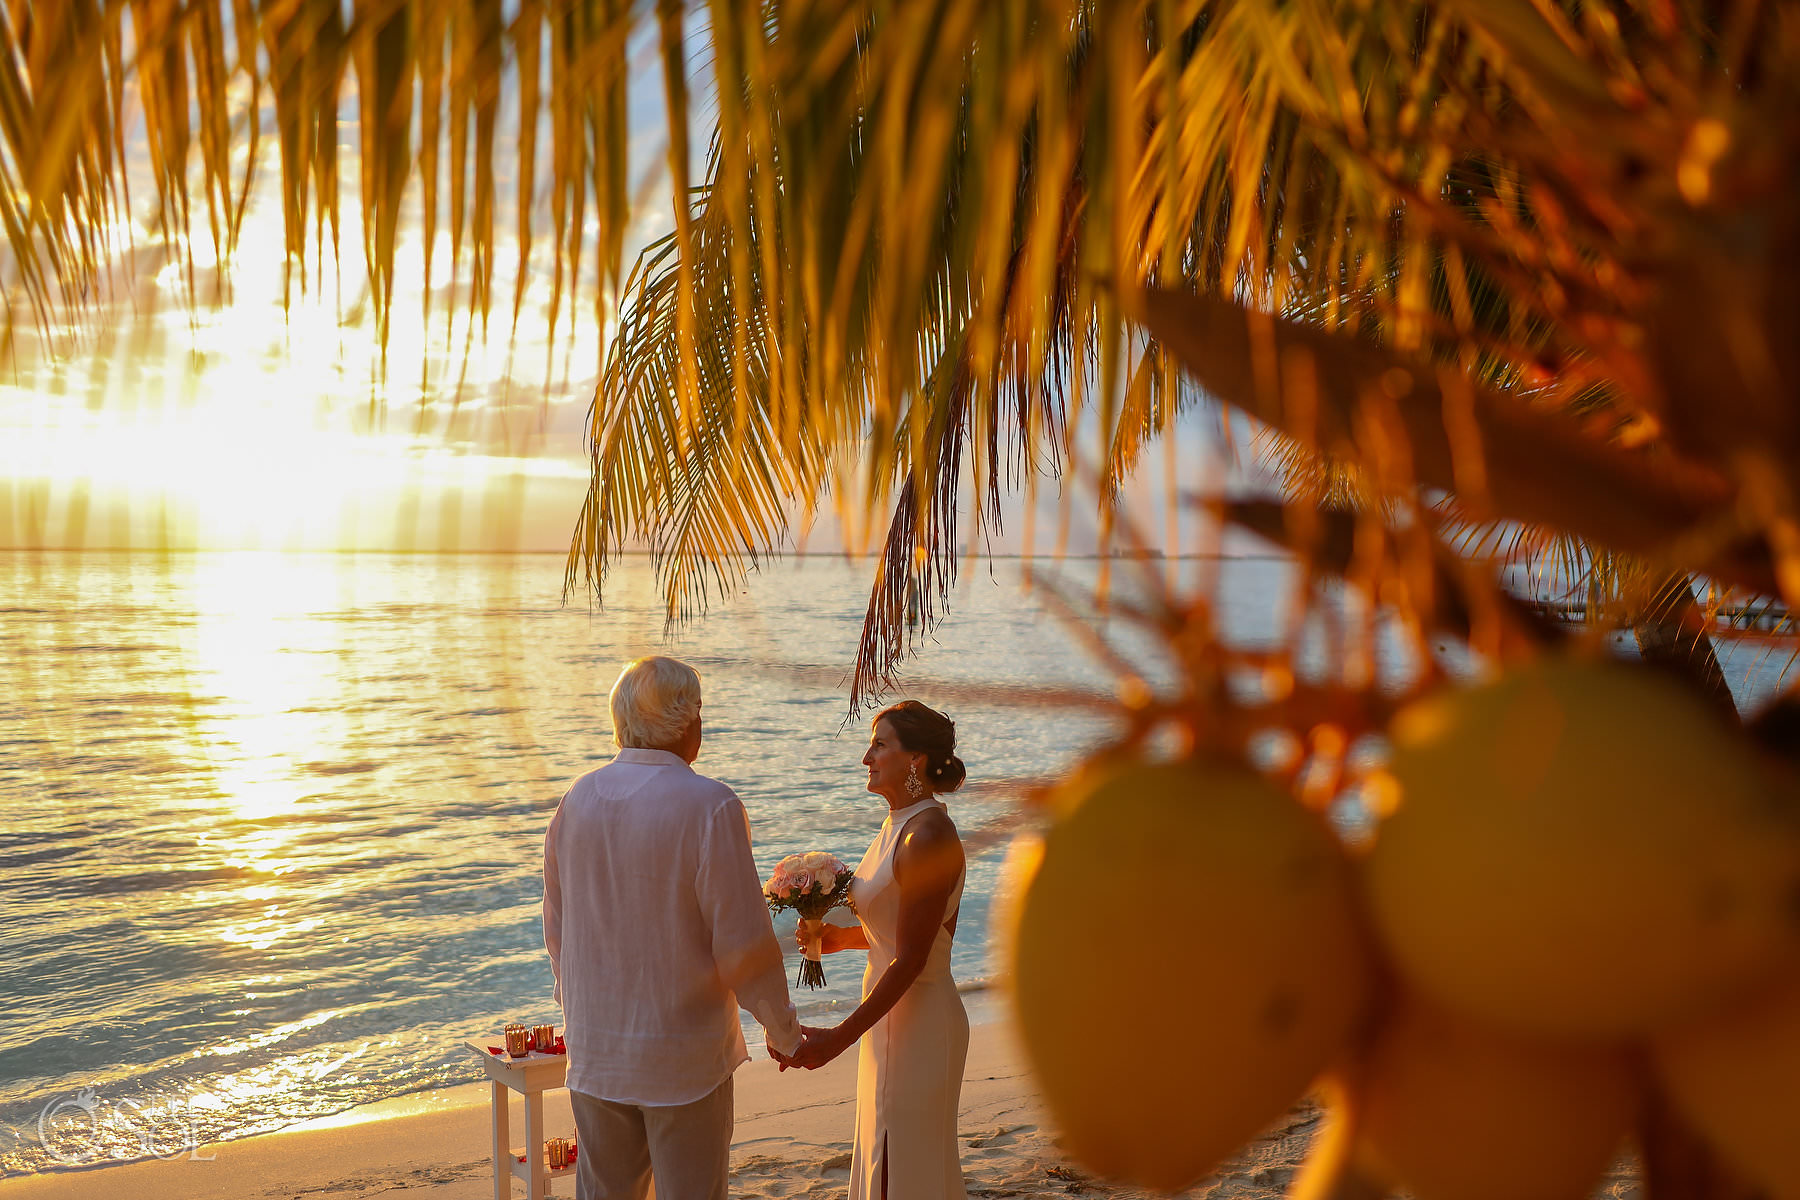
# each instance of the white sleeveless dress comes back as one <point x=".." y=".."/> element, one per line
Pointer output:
<point x="910" y="1064"/>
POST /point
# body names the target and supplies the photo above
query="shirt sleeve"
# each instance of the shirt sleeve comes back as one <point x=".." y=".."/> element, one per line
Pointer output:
<point x="553" y="903"/>
<point x="743" y="941"/>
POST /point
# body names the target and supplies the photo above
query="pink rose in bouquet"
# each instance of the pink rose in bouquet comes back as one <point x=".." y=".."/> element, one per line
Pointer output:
<point x="812" y="885"/>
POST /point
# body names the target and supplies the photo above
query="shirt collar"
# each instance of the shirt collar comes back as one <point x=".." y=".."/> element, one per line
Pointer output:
<point x="653" y="758"/>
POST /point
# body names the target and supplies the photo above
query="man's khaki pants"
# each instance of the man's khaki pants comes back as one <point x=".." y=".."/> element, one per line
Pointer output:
<point x="687" y="1147"/>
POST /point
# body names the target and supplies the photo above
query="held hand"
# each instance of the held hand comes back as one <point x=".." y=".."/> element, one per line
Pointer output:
<point x="791" y="1061"/>
<point x="819" y="1048"/>
<point x="787" y="1061"/>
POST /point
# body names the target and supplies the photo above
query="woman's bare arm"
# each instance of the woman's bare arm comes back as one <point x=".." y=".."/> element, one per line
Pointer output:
<point x="927" y="865"/>
<point x="841" y="937"/>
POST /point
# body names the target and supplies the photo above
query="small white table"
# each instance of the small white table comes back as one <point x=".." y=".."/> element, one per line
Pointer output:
<point x="530" y="1076"/>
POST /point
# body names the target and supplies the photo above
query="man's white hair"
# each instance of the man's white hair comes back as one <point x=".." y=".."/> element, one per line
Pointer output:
<point x="653" y="702"/>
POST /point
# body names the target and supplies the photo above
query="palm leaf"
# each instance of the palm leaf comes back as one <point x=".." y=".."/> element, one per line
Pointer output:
<point x="1412" y="424"/>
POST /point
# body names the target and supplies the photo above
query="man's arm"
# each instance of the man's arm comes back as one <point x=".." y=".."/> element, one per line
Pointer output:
<point x="553" y="903"/>
<point x="743" y="941"/>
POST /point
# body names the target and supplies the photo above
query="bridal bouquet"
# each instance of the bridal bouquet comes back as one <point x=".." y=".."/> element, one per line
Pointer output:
<point x="812" y="885"/>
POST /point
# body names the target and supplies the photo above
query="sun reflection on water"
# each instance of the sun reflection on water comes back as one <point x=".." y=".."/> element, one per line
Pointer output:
<point x="271" y="928"/>
<point x="263" y="645"/>
<point x="273" y="1036"/>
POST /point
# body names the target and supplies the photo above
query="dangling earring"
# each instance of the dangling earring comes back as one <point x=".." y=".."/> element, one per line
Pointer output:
<point x="914" y="787"/>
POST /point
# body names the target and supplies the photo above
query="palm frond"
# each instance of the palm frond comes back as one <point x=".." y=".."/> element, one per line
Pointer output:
<point x="793" y="337"/>
<point x="410" y="73"/>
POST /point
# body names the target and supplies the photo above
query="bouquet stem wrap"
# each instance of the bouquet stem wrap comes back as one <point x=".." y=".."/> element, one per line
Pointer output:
<point x="812" y="885"/>
<point x="812" y="969"/>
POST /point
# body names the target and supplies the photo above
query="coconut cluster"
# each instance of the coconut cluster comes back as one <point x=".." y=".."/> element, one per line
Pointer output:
<point x="1582" y="871"/>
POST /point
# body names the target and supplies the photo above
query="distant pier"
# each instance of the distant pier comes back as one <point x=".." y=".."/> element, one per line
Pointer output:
<point x="1764" y="618"/>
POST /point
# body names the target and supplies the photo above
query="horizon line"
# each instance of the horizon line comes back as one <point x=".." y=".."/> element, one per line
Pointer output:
<point x="165" y="551"/>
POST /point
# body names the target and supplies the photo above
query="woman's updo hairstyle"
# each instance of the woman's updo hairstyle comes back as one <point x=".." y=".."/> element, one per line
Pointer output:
<point x="924" y="730"/>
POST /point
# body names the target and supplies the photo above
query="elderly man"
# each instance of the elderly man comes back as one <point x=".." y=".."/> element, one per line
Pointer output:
<point x="657" y="932"/>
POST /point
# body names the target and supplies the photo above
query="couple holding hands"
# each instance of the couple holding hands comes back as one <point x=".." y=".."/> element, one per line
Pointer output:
<point x="657" y="931"/>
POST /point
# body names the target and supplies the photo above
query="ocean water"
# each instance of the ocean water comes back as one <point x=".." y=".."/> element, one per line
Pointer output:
<point x="271" y="825"/>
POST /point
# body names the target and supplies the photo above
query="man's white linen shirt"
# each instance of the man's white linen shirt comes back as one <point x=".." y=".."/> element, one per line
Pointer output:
<point x="657" y="932"/>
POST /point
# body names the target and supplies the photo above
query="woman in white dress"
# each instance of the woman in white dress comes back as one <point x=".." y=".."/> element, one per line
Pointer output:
<point x="911" y="1022"/>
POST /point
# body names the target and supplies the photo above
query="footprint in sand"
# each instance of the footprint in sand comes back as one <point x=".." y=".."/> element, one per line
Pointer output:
<point x="1002" y="1136"/>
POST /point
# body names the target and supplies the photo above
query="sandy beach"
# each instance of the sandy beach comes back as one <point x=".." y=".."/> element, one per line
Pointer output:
<point x="792" y="1140"/>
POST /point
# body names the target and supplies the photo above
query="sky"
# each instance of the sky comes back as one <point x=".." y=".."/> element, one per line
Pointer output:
<point x="231" y="424"/>
<point x="236" y="425"/>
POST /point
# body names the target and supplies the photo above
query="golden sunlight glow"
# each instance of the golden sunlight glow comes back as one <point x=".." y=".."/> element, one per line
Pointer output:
<point x="264" y="648"/>
<point x="249" y="426"/>
<point x="272" y="1037"/>
<point x="259" y="647"/>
